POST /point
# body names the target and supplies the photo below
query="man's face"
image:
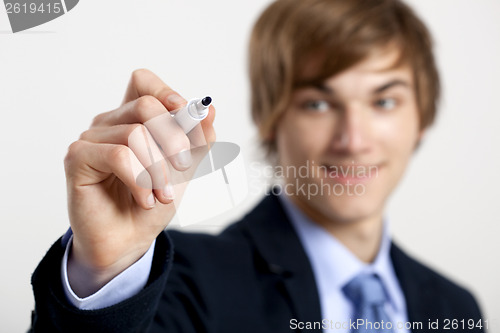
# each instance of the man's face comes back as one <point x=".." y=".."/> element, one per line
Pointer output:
<point x="354" y="135"/>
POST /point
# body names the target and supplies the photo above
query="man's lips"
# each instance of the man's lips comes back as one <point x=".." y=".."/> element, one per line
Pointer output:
<point x="350" y="173"/>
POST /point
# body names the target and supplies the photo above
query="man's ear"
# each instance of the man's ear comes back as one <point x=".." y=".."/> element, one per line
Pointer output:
<point x="270" y="136"/>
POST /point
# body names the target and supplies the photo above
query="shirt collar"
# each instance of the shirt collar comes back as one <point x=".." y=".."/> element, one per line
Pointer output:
<point x="335" y="263"/>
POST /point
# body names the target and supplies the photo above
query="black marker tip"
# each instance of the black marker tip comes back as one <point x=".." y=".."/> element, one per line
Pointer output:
<point x="206" y="101"/>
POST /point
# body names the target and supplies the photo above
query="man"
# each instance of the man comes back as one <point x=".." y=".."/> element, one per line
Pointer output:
<point x="345" y="89"/>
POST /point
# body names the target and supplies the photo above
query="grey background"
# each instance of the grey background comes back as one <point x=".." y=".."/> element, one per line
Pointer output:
<point x="56" y="77"/>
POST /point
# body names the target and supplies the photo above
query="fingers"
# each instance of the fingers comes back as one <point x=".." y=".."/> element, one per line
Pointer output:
<point x="171" y="139"/>
<point x="152" y="97"/>
<point x="144" y="125"/>
<point x="144" y="82"/>
<point x="165" y="130"/>
<point x="85" y="158"/>
<point x="138" y="138"/>
<point x="139" y="110"/>
<point x="145" y="148"/>
<point x="148" y="111"/>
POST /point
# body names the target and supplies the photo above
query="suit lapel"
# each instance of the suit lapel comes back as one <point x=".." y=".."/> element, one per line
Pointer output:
<point x="277" y="243"/>
<point x="275" y="240"/>
<point x="417" y="287"/>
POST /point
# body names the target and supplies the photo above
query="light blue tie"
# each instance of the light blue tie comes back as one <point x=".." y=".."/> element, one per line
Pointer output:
<point x="368" y="296"/>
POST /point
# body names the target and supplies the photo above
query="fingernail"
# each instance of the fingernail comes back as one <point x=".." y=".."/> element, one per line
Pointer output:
<point x="151" y="200"/>
<point x="175" y="99"/>
<point x="183" y="159"/>
<point x="168" y="192"/>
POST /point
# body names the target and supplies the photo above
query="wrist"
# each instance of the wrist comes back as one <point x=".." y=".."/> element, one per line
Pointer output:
<point x="86" y="277"/>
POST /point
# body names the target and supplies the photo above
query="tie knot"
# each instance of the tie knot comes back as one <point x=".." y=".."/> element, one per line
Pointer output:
<point x="365" y="289"/>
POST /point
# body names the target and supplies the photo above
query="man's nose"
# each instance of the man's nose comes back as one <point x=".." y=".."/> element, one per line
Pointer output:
<point x="352" y="132"/>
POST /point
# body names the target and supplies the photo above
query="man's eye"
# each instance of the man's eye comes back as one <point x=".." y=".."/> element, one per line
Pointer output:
<point x="317" y="105"/>
<point x="386" y="103"/>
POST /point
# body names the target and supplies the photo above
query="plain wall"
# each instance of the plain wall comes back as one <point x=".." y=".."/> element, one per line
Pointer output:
<point x="56" y="77"/>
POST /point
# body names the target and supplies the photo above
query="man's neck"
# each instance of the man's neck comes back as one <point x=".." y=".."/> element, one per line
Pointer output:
<point x="361" y="236"/>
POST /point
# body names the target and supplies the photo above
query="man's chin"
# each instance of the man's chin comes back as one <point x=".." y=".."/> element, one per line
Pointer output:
<point x="346" y="210"/>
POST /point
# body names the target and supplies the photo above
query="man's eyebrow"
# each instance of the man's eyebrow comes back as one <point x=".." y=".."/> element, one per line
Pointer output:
<point x="323" y="87"/>
<point x="390" y="84"/>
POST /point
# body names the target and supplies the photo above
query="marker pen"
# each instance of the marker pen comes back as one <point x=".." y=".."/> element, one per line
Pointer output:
<point x="190" y="115"/>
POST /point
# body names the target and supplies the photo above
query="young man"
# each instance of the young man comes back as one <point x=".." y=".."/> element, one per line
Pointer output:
<point x="345" y="89"/>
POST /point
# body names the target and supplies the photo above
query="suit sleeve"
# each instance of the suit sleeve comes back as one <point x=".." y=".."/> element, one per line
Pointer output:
<point x="53" y="313"/>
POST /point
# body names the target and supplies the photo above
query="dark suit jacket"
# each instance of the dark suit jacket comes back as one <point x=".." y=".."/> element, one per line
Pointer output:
<point x="253" y="277"/>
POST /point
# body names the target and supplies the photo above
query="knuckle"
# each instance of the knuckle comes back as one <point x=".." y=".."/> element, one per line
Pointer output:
<point x="97" y="120"/>
<point x="84" y="136"/>
<point x="119" y="154"/>
<point x="165" y="92"/>
<point x="74" y="150"/>
<point x="138" y="74"/>
<point x="144" y="107"/>
<point x="135" y="131"/>
<point x="134" y="128"/>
